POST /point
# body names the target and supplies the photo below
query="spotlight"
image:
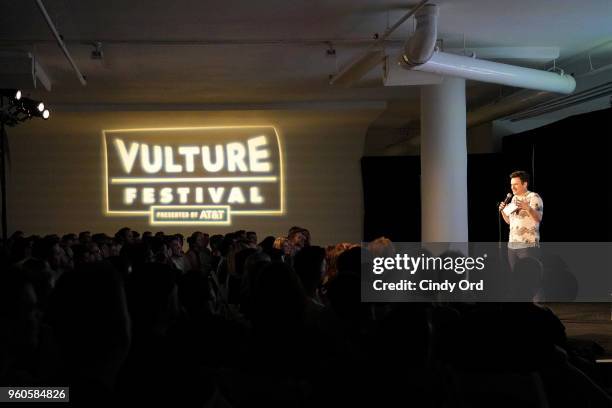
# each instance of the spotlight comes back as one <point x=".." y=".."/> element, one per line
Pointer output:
<point x="38" y="113"/>
<point x="33" y="107"/>
<point x="20" y="108"/>
<point x="11" y="93"/>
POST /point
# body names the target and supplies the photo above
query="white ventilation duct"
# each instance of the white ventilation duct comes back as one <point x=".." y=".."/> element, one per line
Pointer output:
<point x="419" y="54"/>
<point x="590" y="69"/>
<point x="421" y="44"/>
<point x="442" y="63"/>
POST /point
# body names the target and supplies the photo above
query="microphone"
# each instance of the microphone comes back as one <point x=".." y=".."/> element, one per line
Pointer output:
<point x="508" y="198"/>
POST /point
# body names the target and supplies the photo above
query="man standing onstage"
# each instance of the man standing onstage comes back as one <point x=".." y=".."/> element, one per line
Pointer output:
<point x="524" y="239"/>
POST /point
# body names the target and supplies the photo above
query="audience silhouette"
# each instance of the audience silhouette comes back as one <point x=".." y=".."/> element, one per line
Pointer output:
<point x="236" y="323"/>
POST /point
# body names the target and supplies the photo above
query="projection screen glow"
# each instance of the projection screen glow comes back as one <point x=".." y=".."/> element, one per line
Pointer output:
<point x="200" y="175"/>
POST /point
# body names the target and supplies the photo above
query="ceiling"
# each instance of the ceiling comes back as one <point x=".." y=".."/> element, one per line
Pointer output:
<point x="267" y="53"/>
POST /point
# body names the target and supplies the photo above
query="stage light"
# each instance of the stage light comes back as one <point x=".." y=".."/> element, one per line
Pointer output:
<point x="20" y="108"/>
<point x="11" y="93"/>
<point x="40" y="114"/>
<point x="32" y="107"/>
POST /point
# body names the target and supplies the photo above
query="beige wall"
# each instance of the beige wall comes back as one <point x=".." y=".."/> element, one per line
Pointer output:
<point x="55" y="181"/>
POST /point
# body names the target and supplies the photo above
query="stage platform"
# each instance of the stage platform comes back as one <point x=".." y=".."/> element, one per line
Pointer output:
<point x="587" y="321"/>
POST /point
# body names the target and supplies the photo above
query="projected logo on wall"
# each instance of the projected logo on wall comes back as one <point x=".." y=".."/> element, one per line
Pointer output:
<point x="193" y="175"/>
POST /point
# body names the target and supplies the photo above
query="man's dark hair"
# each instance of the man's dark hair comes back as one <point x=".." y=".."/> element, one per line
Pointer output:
<point x="69" y="237"/>
<point x="523" y="175"/>
<point x="216" y="241"/>
<point x="157" y="244"/>
<point x="84" y="236"/>
<point x="122" y="232"/>
<point x="101" y="239"/>
<point x="192" y="238"/>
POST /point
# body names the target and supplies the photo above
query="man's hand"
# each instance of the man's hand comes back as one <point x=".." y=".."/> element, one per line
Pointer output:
<point x="502" y="205"/>
<point x="523" y="205"/>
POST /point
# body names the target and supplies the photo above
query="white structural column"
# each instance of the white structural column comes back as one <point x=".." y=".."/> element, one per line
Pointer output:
<point x="444" y="162"/>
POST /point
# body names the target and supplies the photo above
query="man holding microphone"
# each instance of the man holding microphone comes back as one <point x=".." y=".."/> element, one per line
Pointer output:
<point x="524" y="214"/>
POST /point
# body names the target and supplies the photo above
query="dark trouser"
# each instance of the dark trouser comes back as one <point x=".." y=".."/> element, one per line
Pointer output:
<point x="515" y="254"/>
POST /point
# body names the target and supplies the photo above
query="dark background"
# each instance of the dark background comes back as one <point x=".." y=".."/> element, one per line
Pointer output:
<point x="569" y="162"/>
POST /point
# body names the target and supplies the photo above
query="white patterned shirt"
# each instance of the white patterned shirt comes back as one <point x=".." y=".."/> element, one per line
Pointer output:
<point x="524" y="230"/>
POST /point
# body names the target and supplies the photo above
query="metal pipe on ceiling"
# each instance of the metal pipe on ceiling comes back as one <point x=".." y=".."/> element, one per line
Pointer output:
<point x="372" y="56"/>
<point x="60" y="42"/>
